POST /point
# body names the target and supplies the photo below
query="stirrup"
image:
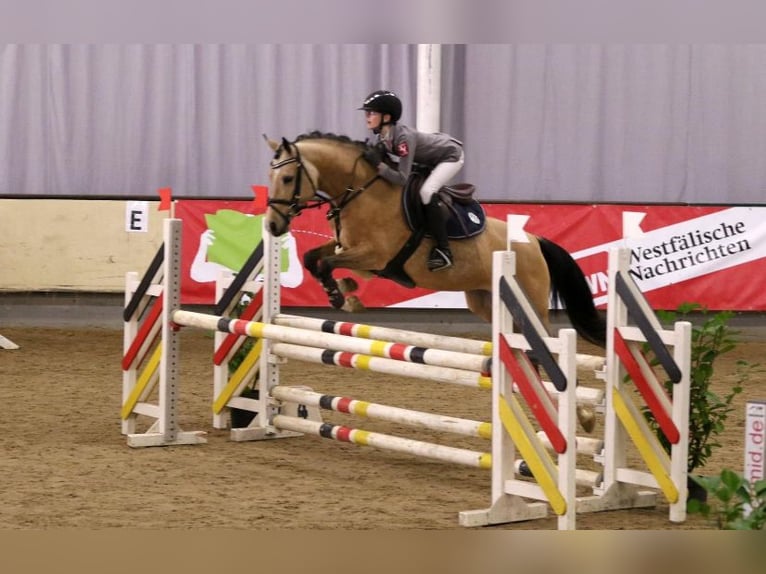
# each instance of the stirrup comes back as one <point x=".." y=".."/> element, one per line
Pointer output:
<point x="439" y="259"/>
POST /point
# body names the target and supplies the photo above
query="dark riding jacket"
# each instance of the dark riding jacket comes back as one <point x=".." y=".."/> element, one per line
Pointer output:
<point x="410" y="147"/>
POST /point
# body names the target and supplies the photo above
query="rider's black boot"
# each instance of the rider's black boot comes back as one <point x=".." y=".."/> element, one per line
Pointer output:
<point x="436" y="224"/>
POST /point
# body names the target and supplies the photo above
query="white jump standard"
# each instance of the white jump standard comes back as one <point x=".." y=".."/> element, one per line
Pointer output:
<point x="147" y="314"/>
<point x="6" y="343"/>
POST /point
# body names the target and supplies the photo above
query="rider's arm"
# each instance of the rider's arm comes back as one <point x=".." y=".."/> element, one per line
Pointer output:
<point x="404" y="147"/>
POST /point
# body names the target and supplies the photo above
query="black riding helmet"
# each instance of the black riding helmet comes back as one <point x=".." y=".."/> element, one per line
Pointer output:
<point x="384" y="102"/>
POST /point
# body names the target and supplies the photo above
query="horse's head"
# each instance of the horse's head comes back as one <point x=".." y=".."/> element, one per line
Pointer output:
<point x="293" y="185"/>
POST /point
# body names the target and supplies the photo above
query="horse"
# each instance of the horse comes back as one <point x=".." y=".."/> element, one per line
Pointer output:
<point x="370" y="229"/>
<point x="371" y="233"/>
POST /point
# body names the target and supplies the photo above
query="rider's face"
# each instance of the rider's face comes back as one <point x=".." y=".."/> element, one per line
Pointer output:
<point x="373" y="119"/>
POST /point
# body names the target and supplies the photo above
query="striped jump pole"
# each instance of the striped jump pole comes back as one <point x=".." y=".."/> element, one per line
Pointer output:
<point x="383" y="441"/>
<point x="407" y="417"/>
<point x="345" y="351"/>
<point x="362" y="331"/>
<point x="432" y="421"/>
<point x="381" y="365"/>
<point x="387" y="413"/>
<point x="307" y="338"/>
<point x="446" y="343"/>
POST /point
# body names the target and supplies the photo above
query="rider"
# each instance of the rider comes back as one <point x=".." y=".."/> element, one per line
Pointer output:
<point x="440" y="152"/>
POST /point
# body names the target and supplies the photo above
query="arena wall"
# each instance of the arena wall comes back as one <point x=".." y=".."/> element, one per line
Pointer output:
<point x="72" y="245"/>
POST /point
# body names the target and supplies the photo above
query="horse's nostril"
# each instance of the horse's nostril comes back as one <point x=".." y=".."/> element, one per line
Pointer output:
<point x="272" y="228"/>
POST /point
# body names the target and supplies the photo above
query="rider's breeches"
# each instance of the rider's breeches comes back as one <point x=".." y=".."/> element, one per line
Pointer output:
<point x="440" y="176"/>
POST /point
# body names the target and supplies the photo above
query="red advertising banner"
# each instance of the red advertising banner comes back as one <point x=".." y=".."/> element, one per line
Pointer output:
<point x="713" y="256"/>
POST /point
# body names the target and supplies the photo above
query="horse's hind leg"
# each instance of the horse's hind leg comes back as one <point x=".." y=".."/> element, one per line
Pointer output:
<point x="480" y="304"/>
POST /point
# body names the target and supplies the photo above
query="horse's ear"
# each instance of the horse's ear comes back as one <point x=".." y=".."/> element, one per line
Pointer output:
<point x="271" y="143"/>
<point x="285" y="143"/>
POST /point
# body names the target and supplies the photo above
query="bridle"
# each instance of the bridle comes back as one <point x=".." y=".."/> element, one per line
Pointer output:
<point x="294" y="204"/>
<point x="319" y="198"/>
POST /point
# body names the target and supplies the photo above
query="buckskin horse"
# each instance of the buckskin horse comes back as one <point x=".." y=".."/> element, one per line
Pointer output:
<point x="373" y="236"/>
<point x="367" y="214"/>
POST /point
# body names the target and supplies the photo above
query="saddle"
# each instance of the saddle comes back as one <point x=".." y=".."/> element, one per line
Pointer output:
<point x="465" y="216"/>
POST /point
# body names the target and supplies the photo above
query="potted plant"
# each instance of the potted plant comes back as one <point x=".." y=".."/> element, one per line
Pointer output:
<point x="708" y="411"/>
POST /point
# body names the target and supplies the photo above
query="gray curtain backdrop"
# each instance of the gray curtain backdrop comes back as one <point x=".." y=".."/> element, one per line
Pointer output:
<point x="601" y="123"/>
<point x="640" y="124"/>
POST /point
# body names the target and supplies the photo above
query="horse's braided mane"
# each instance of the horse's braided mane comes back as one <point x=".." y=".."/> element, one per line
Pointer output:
<point x="330" y="136"/>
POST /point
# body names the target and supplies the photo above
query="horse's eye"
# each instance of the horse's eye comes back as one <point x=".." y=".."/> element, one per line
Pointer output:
<point x="288" y="179"/>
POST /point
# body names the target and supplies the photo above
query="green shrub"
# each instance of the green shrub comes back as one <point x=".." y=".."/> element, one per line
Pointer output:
<point x="738" y="504"/>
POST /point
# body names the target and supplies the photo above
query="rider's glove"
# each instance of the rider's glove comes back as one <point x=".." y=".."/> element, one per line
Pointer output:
<point x="373" y="156"/>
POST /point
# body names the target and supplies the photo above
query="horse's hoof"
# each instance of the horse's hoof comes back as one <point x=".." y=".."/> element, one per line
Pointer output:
<point x="586" y="416"/>
<point x="354" y="305"/>
<point x="347" y="285"/>
<point x="337" y="300"/>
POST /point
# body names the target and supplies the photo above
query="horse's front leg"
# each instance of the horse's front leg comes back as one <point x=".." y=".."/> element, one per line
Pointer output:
<point x="314" y="262"/>
<point x="323" y="260"/>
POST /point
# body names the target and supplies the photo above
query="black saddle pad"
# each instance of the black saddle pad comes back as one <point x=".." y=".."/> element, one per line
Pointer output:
<point x="465" y="219"/>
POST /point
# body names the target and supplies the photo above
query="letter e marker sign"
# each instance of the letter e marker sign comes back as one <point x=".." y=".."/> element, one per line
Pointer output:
<point x="137" y="217"/>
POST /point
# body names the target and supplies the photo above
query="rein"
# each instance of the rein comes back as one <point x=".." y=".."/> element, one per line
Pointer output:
<point x="348" y="196"/>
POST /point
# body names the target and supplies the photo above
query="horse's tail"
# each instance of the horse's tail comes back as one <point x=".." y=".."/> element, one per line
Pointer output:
<point x="569" y="284"/>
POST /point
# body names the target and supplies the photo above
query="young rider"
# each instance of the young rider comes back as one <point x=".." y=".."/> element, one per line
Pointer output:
<point x="440" y="152"/>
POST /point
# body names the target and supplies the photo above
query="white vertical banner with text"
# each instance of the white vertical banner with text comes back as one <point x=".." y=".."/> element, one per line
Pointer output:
<point x="755" y="440"/>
